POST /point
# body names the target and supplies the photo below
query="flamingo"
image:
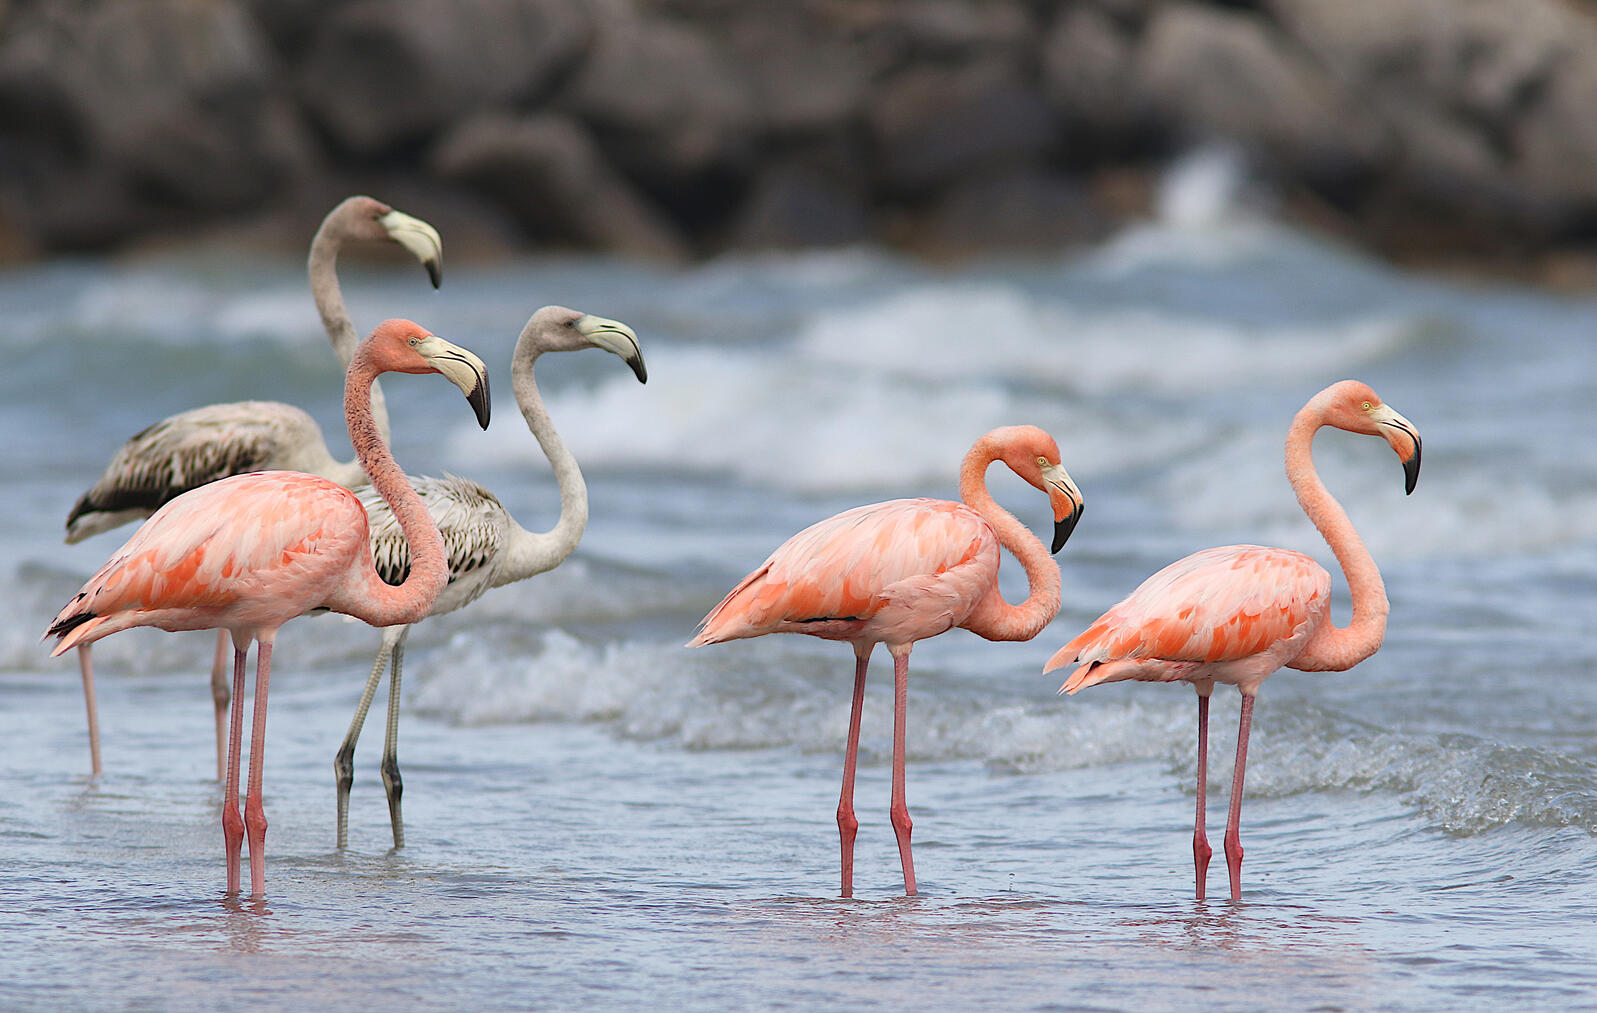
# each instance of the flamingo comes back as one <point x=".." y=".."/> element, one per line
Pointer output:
<point x="902" y="571"/>
<point x="192" y="448"/>
<point x="1237" y="613"/>
<point x="247" y="553"/>
<point x="485" y="545"/>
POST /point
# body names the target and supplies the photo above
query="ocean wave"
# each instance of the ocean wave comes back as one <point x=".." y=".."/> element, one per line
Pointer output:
<point x="997" y="332"/>
<point x="1237" y="485"/>
<point x="796" y="697"/>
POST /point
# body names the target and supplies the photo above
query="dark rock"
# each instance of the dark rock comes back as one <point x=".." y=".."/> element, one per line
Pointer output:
<point x="122" y="117"/>
<point x="380" y="74"/>
<point x="940" y="31"/>
<point x="1218" y="73"/>
<point x="665" y="101"/>
<point x="932" y="126"/>
<point x="801" y="74"/>
<point x="1087" y="70"/>
<point x="546" y="172"/>
<point x="795" y="206"/>
<point x="1020" y="208"/>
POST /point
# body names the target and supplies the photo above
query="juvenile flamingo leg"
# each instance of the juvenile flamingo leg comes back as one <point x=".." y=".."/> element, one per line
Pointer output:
<point x="220" y="697"/>
<point x="1233" y="836"/>
<point x="232" y="824"/>
<point x="86" y="666"/>
<point x="900" y="809"/>
<point x="254" y="811"/>
<point x="847" y="824"/>
<point x="1201" y="851"/>
<point x="344" y="761"/>
<point x="392" y="783"/>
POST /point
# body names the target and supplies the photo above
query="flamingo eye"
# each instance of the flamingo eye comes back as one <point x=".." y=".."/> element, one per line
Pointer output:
<point x="1367" y="406"/>
<point x="1042" y="462"/>
<point x="415" y="342"/>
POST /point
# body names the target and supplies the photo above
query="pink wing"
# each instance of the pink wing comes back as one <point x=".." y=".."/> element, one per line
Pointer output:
<point x="836" y="576"/>
<point x="270" y="538"/>
<point x="1219" y="605"/>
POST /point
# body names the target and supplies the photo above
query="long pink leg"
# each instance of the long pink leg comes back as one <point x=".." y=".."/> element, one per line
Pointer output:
<point x="900" y="810"/>
<point x="232" y="823"/>
<point x="1201" y="851"/>
<point x="1233" y="835"/>
<point x="220" y="697"/>
<point x="847" y="825"/>
<point x="86" y="666"/>
<point x="254" y="810"/>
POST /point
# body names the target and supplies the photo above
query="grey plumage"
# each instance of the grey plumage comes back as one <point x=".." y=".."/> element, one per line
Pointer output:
<point x="472" y="522"/>
<point x="194" y="448"/>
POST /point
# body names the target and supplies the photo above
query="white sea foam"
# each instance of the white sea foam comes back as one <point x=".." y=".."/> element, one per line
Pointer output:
<point x="796" y="697"/>
<point x="889" y="393"/>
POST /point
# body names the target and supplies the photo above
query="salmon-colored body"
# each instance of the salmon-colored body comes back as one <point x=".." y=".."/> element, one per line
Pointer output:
<point x="1231" y="615"/>
<point x="245" y="554"/>
<point x="888" y="573"/>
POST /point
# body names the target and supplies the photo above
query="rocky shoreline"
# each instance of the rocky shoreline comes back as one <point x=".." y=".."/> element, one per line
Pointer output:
<point x="1432" y="131"/>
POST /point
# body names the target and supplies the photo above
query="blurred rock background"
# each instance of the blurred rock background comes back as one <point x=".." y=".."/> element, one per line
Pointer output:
<point x="1440" y="132"/>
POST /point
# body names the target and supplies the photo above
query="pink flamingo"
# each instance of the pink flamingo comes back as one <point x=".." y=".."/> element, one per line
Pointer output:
<point x="1237" y="613"/>
<point x="189" y="449"/>
<point x="248" y="553"/>
<point x="902" y="571"/>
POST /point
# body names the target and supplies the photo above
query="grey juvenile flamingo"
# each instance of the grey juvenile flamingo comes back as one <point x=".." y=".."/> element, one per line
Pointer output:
<point x="485" y="545"/>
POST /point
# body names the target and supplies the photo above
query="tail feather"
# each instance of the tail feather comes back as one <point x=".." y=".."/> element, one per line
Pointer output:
<point x="1089" y="674"/>
<point x="714" y="627"/>
<point x="1128" y="669"/>
<point x="73" y="630"/>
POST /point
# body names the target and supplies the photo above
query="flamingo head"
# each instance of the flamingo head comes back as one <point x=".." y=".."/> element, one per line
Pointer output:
<point x="1034" y="456"/>
<point x="1353" y="406"/>
<point x="558" y="329"/>
<point x="401" y="346"/>
<point x="369" y="219"/>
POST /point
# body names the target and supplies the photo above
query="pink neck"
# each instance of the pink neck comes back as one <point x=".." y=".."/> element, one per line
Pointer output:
<point x="1333" y="648"/>
<point x="994" y="618"/>
<point x="382" y="604"/>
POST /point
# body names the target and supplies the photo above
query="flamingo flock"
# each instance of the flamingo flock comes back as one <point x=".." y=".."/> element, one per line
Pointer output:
<point x="249" y="521"/>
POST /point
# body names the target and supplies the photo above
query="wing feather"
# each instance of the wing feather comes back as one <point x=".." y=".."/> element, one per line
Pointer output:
<point x="851" y="566"/>
<point x="189" y="450"/>
<point x="1221" y="604"/>
<point x="470" y="518"/>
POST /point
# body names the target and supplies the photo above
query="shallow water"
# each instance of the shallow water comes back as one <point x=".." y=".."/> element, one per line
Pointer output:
<point x="597" y="817"/>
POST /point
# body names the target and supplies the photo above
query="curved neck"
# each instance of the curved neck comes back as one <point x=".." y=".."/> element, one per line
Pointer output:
<point x="1333" y="648"/>
<point x="323" y="266"/>
<point x="994" y="618"/>
<point x="528" y="552"/>
<point x="377" y="602"/>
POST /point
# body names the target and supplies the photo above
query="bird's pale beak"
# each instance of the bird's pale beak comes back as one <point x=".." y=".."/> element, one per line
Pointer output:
<point x="461" y="368"/>
<point x="1067" y="503"/>
<point x="1405" y="440"/>
<point x="615" y="336"/>
<point x="421" y="239"/>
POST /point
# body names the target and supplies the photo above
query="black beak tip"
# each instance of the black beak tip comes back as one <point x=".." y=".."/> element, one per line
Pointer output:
<point x="1411" y="471"/>
<point x="638" y="368"/>
<point x="480" y="402"/>
<point x="1063" y="529"/>
<point x="435" y="271"/>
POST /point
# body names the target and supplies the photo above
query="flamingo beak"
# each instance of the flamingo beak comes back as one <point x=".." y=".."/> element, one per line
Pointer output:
<point x="461" y="368"/>
<point x="421" y="239"/>
<point x="1066" y="500"/>
<point x="1405" y="440"/>
<point x="615" y="336"/>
